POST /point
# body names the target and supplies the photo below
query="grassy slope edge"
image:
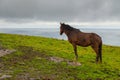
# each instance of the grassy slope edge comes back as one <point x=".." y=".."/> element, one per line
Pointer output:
<point x="30" y="61"/>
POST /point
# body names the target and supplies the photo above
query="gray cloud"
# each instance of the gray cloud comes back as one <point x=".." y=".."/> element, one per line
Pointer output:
<point x="60" y="10"/>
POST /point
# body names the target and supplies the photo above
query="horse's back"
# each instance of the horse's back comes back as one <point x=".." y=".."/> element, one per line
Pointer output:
<point x="84" y="39"/>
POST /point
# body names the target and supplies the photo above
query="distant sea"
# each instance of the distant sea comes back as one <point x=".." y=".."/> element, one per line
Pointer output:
<point x="109" y="36"/>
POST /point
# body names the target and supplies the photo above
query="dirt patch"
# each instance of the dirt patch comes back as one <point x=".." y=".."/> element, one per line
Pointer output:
<point x="32" y="53"/>
<point x="27" y="77"/>
<point x="58" y="60"/>
<point x="5" y="77"/>
<point x="74" y="63"/>
<point x="5" y="52"/>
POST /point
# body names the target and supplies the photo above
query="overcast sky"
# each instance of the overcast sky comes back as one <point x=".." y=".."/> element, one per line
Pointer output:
<point x="51" y="12"/>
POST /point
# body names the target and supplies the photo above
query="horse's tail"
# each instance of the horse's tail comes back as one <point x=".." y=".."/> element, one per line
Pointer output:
<point x="100" y="52"/>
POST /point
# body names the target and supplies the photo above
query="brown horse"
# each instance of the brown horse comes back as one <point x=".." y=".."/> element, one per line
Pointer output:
<point x="76" y="37"/>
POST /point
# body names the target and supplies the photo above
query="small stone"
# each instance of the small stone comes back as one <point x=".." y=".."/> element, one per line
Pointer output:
<point x="5" y="76"/>
<point x="74" y="63"/>
<point x="56" y="59"/>
<point x="32" y="79"/>
<point x="35" y="79"/>
<point x="5" y="52"/>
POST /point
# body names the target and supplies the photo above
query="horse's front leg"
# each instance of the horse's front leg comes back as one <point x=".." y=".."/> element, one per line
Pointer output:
<point x="75" y="51"/>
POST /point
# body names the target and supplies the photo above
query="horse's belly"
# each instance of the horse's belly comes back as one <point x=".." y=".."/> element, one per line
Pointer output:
<point x="83" y="43"/>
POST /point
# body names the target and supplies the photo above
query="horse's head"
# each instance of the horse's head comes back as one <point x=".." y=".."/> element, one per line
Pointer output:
<point x="61" y="28"/>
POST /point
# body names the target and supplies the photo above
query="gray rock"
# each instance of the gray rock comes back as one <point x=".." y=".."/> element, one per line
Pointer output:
<point x="5" y="77"/>
<point x="56" y="59"/>
<point x="5" y="52"/>
<point x="74" y="63"/>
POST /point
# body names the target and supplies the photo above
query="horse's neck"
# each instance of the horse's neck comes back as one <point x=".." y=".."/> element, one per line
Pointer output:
<point x="76" y="30"/>
<point x="67" y="32"/>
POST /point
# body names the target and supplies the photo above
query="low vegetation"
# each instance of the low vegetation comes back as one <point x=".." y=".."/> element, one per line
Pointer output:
<point x="31" y="60"/>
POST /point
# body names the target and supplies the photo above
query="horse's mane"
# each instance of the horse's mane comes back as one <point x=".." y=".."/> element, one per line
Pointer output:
<point x="68" y="27"/>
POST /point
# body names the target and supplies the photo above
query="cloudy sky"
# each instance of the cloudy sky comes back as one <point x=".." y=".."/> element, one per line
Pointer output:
<point x="37" y="13"/>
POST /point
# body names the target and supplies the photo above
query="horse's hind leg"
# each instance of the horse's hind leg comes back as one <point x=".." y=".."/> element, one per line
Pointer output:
<point x="100" y="52"/>
<point x="96" y="49"/>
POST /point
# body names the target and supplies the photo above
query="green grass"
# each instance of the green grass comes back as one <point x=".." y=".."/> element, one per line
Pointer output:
<point x="31" y="60"/>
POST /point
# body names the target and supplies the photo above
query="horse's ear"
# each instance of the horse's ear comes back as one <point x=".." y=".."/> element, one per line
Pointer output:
<point x="60" y="23"/>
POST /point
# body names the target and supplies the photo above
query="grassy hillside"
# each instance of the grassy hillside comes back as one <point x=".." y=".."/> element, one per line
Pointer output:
<point x="31" y="61"/>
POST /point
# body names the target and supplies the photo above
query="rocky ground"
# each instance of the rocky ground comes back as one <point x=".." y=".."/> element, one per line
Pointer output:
<point x="5" y="52"/>
<point x="58" y="59"/>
